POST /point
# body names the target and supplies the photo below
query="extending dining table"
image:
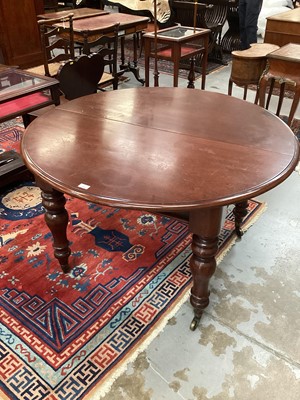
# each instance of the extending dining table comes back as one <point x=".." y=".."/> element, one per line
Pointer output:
<point x="162" y="150"/>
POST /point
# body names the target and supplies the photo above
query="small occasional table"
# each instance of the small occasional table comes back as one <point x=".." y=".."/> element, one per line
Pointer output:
<point x="283" y="66"/>
<point x="176" y="44"/>
<point x="283" y="28"/>
<point x="159" y="149"/>
<point x="248" y="65"/>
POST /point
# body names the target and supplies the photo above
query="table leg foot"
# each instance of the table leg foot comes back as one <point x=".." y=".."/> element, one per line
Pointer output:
<point x="191" y="76"/>
<point x="56" y="218"/>
<point x="129" y="68"/>
<point x="195" y="323"/>
<point x="240" y="211"/>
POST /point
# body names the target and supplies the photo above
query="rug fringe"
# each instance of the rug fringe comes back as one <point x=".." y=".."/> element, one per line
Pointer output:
<point x="98" y="393"/>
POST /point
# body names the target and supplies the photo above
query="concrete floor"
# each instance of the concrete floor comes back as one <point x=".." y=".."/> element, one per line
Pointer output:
<point x="247" y="345"/>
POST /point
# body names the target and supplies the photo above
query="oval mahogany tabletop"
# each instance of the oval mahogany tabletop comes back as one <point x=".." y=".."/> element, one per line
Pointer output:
<point x="160" y="149"/>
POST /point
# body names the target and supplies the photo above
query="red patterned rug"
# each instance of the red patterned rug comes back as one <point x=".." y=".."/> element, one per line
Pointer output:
<point x="67" y="336"/>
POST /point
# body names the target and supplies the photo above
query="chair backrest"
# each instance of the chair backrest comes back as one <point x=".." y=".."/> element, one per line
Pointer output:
<point x="106" y="43"/>
<point x="57" y="43"/>
<point x="80" y="77"/>
<point x="209" y="14"/>
<point x="184" y="13"/>
<point x="216" y="14"/>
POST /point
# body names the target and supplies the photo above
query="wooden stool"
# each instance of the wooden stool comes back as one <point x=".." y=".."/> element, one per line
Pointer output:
<point x="283" y="67"/>
<point x="248" y="66"/>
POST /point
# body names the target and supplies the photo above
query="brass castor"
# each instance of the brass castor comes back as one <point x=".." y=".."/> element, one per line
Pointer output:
<point x="195" y="323"/>
<point x="239" y="232"/>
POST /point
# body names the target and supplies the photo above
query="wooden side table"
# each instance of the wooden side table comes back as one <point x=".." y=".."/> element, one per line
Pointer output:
<point x="175" y="44"/>
<point x="248" y="66"/>
<point x="284" y="67"/>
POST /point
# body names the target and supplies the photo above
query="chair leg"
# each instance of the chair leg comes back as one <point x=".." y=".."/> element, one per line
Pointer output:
<point x="191" y="77"/>
<point x="27" y="118"/>
<point x="230" y="87"/>
<point x="280" y="100"/>
<point x="262" y="90"/>
<point x="256" y="96"/>
<point x="245" y="92"/>
<point x="270" y="93"/>
<point x="294" y="105"/>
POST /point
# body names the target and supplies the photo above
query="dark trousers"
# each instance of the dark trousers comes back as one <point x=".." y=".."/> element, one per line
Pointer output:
<point x="248" y="14"/>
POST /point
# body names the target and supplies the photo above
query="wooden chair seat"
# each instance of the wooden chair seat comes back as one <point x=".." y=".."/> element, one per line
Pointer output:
<point x="106" y="80"/>
<point x="40" y="69"/>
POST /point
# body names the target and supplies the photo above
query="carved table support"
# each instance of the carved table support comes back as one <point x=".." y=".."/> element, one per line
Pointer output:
<point x="205" y="224"/>
<point x="57" y="219"/>
<point x="240" y="211"/>
<point x="127" y="66"/>
<point x="191" y="76"/>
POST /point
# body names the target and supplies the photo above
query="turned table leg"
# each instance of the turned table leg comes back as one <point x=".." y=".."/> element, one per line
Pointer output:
<point x="56" y="218"/>
<point x="205" y="224"/>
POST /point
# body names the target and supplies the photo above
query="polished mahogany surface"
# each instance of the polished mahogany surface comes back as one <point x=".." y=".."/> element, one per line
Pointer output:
<point x="160" y="149"/>
<point x="105" y="21"/>
<point x="78" y="13"/>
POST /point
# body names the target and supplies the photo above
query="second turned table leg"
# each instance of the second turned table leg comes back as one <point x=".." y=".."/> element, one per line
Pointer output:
<point x="57" y="219"/>
<point x="205" y="224"/>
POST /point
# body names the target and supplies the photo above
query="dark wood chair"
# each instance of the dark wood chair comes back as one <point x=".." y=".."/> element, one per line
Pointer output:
<point x="77" y="78"/>
<point x="56" y="48"/>
<point x="231" y="39"/>
<point x="106" y="43"/>
<point x="80" y="77"/>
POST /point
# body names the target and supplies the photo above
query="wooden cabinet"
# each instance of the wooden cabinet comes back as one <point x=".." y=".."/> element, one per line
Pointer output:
<point x="19" y="34"/>
<point x="283" y="28"/>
